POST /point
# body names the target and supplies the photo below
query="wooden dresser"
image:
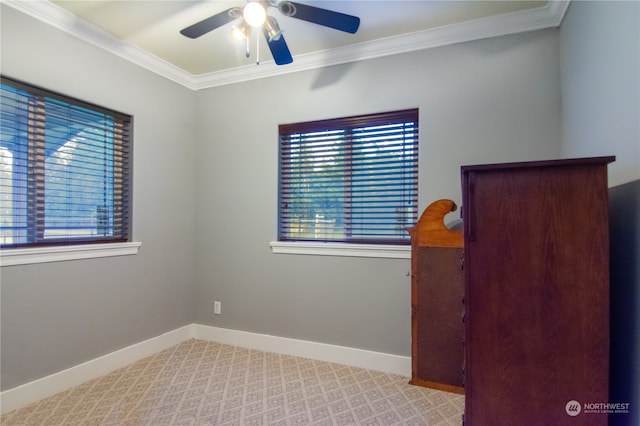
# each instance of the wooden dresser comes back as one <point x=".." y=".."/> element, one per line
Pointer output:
<point x="536" y="261"/>
<point x="437" y="288"/>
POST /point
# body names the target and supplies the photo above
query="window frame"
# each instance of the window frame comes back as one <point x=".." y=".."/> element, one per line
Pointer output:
<point x="369" y="246"/>
<point x="88" y="246"/>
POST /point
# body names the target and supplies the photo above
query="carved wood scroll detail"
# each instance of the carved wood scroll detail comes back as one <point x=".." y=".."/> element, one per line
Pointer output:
<point x="430" y="230"/>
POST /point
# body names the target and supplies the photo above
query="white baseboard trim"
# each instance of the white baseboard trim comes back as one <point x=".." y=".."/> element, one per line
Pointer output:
<point x="379" y="361"/>
<point x="36" y="390"/>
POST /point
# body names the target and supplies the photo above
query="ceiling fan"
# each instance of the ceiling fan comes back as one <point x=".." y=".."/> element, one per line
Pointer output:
<point x="254" y="15"/>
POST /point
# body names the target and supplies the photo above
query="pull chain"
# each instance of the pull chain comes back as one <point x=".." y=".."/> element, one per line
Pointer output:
<point x="258" y="49"/>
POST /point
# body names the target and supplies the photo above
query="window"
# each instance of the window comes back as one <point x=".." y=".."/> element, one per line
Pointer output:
<point x="351" y="180"/>
<point x="64" y="169"/>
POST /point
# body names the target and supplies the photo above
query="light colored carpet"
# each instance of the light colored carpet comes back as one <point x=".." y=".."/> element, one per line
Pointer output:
<point x="207" y="383"/>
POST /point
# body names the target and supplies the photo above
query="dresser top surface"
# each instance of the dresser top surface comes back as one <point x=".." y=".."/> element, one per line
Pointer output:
<point x="545" y="163"/>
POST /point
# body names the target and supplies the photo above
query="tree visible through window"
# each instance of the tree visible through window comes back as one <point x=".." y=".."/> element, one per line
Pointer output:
<point x="351" y="179"/>
<point x="64" y="169"/>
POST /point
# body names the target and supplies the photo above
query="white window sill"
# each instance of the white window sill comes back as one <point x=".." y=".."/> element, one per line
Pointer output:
<point x="11" y="257"/>
<point x="342" y="249"/>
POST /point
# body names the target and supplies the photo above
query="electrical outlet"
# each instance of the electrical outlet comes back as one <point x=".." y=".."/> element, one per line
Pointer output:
<point x="217" y="307"/>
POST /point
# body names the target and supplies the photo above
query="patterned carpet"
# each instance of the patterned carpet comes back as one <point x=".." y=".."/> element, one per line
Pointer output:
<point x="207" y="383"/>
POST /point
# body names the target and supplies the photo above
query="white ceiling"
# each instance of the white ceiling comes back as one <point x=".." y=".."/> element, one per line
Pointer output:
<point x="147" y="32"/>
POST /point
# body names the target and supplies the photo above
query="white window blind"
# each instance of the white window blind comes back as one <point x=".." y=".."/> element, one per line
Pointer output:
<point x="351" y="179"/>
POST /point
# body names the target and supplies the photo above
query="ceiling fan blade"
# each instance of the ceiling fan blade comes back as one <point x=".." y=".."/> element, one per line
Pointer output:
<point x="325" y="17"/>
<point x="212" y="22"/>
<point x="279" y="49"/>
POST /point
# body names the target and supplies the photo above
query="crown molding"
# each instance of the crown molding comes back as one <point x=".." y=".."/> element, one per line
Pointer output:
<point x="548" y="16"/>
<point x="60" y="18"/>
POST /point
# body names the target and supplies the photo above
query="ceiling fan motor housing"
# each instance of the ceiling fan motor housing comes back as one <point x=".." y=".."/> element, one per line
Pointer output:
<point x="287" y="8"/>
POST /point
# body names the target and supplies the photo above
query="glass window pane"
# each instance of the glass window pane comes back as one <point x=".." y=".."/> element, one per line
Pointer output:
<point x="349" y="182"/>
<point x="65" y="169"/>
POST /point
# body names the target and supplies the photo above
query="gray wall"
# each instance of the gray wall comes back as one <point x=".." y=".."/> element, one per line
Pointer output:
<point x="58" y="315"/>
<point x="485" y="101"/>
<point x="600" y="51"/>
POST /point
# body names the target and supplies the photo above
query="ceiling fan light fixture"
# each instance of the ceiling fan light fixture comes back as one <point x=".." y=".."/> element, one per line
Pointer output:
<point x="240" y="32"/>
<point x="254" y="14"/>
